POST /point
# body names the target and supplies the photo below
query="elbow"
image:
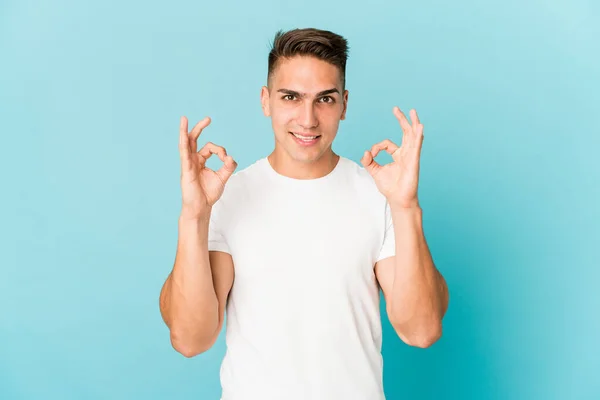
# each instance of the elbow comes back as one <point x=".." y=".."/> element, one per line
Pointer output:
<point x="189" y="347"/>
<point x="188" y="351"/>
<point x="421" y="338"/>
<point x="425" y="341"/>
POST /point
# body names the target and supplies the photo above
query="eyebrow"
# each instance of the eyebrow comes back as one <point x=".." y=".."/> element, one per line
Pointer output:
<point x="301" y="95"/>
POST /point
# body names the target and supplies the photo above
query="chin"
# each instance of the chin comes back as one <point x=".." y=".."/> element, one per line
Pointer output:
<point x="307" y="156"/>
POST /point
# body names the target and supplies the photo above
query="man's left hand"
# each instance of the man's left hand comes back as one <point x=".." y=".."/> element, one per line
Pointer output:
<point x="398" y="181"/>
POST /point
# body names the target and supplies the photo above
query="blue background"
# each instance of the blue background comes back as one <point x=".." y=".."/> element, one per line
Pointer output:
<point x="90" y="99"/>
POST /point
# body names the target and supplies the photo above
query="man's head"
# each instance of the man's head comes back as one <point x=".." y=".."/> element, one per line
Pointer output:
<point x="305" y="93"/>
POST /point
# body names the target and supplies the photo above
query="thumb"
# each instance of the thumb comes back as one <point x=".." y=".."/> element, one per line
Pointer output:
<point x="368" y="162"/>
<point x="227" y="169"/>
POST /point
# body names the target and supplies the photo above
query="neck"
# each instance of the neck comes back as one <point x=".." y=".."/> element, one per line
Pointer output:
<point x="284" y="165"/>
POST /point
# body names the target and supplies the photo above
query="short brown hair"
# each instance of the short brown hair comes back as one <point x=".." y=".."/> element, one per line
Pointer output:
<point x="321" y="44"/>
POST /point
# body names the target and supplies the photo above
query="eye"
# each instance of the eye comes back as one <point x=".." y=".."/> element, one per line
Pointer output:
<point x="288" y="97"/>
<point x="330" y="99"/>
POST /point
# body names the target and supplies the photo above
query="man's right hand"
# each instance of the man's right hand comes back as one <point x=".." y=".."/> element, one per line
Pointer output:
<point x="201" y="187"/>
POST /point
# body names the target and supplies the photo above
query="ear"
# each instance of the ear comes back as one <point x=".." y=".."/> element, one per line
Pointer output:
<point x="264" y="101"/>
<point x="345" y="101"/>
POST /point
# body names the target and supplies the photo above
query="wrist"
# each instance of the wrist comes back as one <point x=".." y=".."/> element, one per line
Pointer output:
<point x="404" y="206"/>
<point x="407" y="218"/>
<point x="195" y="215"/>
<point x="403" y="212"/>
<point x="411" y="213"/>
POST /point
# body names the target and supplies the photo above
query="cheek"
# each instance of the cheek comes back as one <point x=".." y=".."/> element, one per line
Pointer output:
<point x="282" y="116"/>
<point x="330" y="117"/>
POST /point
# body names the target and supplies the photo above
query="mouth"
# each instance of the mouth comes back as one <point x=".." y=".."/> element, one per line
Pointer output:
<point x="305" y="139"/>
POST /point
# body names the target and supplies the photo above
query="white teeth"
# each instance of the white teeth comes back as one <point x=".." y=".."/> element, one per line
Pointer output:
<point x="305" y="138"/>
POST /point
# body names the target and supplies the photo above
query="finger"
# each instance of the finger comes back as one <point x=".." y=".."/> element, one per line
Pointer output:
<point x="419" y="136"/>
<point x="211" y="148"/>
<point x="387" y="145"/>
<point x="414" y="118"/>
<point x="184" y="144"/>
<point x="417" y="126"/>
<point x="404" y="124"/>
<point x="183" y="124"/>
<point x="369" y="162"/>
<point x="195" y="133"/>
<point x="199" y="127"/>
<point x="419" y="131"/>
<point x="229" y="166"/>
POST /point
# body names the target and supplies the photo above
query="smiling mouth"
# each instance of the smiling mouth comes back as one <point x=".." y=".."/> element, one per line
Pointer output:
<point x="305" y="138"/>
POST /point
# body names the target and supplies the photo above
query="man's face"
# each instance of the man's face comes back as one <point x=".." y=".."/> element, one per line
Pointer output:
<point x="305" y="100"/>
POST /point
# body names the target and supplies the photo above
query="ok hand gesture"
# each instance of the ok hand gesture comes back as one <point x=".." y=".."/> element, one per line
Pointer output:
<point x="398" y="180"/>
<point x="201" y="187"/>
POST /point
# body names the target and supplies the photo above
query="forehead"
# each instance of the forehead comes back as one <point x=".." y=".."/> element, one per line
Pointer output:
<point x="305" y="73"/>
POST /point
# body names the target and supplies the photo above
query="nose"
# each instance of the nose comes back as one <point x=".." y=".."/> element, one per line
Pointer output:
<point x="308" y="117"/>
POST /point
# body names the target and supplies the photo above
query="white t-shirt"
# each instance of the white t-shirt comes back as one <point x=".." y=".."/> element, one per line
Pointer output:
<point x="302" y="318"/>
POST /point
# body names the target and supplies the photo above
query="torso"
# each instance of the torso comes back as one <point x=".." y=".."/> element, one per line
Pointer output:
<point x="303" y="313"/>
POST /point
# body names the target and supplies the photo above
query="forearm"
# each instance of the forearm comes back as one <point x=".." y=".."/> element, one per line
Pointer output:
<point x="189" y="303"/>
<point x="419" y="293"/>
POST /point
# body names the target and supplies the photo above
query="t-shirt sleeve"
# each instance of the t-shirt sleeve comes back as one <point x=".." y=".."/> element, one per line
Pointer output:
<point x="388" y="247"/>
<point x="216" y="227"/>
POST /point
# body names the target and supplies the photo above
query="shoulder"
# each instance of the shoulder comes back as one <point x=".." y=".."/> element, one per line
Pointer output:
<point x="357" y="175"/>
<point x="363" y="187"/>
<point x="242" y="182"/>
<point x="356" y="170"/>
<point x="250" y="174"/>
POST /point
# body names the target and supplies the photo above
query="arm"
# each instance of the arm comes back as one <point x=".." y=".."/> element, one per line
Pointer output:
<point x="415" y="292"/>
<point x="193" y="298"/>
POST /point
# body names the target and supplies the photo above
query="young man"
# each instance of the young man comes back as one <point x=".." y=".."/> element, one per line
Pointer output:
<point x="310" y="237"/>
